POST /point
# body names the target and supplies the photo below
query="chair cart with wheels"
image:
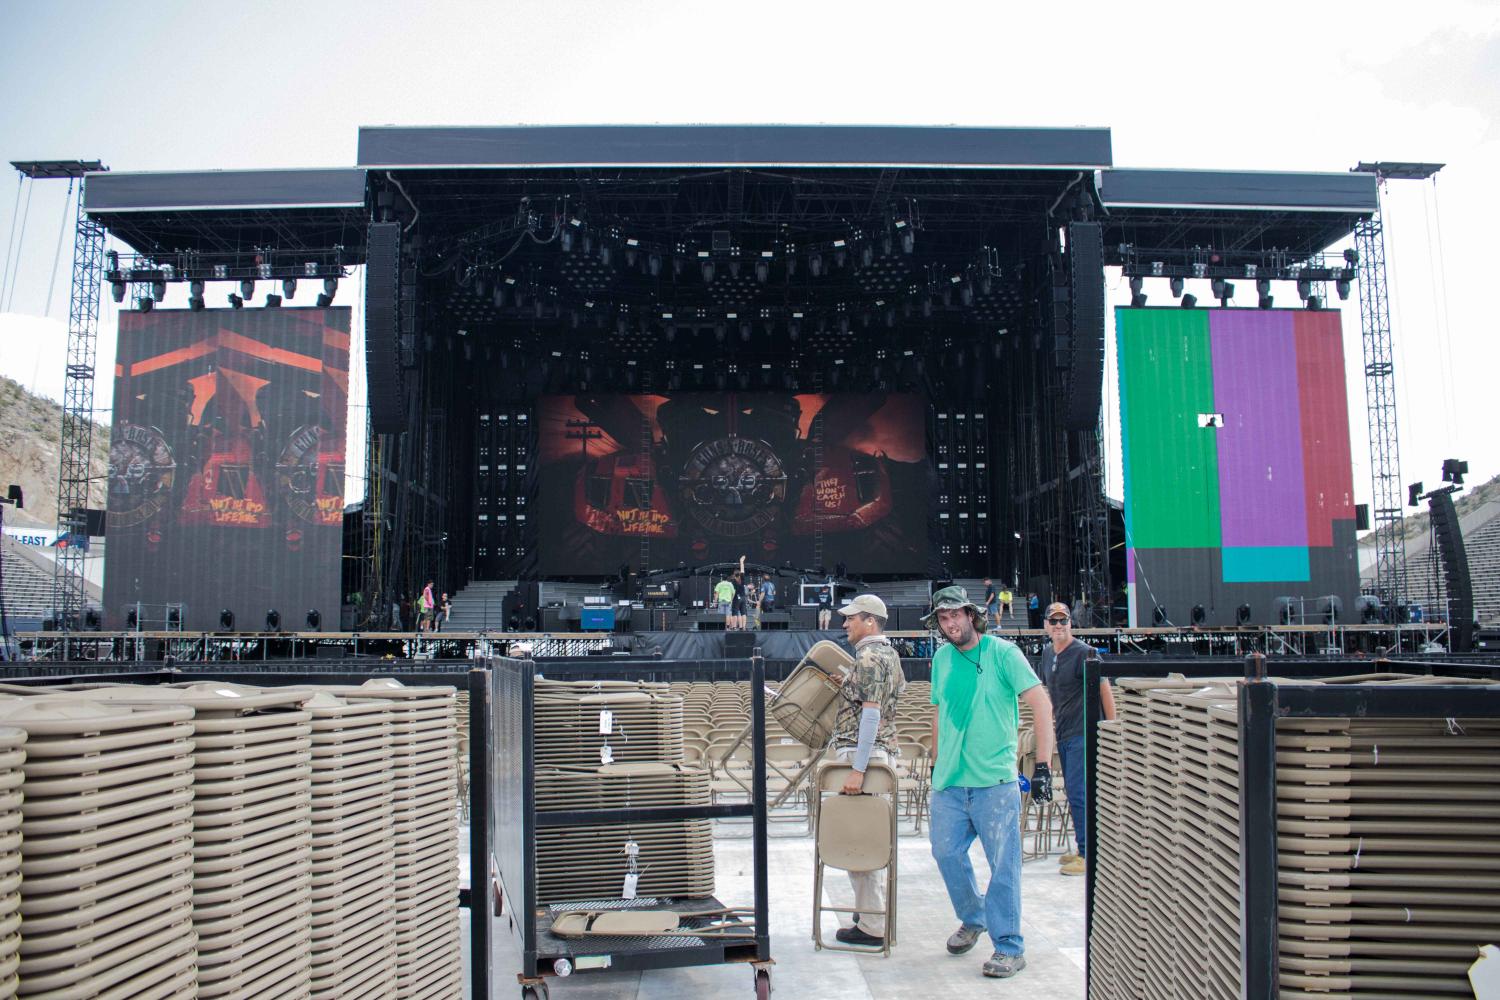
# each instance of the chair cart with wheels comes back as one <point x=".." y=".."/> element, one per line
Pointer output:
<point x="616" y="934"/>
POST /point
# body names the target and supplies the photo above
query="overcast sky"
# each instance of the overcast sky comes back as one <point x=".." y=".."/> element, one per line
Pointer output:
<point x="1280" y="86"/>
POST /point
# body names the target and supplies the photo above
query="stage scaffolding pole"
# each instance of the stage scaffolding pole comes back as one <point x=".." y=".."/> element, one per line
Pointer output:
<point x="69" y="586"/>
<point x="1386" y="499"/>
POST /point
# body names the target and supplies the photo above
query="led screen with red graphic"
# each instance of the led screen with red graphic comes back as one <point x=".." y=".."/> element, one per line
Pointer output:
<point x="707" y="477"/>
<point x="226" y="476"/>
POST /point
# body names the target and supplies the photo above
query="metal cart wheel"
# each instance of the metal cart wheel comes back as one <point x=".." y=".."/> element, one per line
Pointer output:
<point x="537" y="992"/>
<point x="762" y="984"/>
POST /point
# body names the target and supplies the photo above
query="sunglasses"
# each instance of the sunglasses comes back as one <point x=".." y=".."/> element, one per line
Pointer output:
<point x="1058" y="621"/>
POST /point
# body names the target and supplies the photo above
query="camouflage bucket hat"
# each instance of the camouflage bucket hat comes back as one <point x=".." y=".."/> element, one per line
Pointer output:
<point x="953" y="597"/>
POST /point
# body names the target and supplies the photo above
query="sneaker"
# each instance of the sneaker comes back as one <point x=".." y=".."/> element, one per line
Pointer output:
<point x="1004" y="966"/>
<point x="855" y="936"/>
<point x="1075" y="867"/>
<point x="1064" y="859"/>
<point x="963" y="940"/>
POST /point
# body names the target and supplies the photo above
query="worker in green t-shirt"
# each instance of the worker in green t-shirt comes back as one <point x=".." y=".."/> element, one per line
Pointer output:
<point x="976" y="680"/>
<point x="724" y="598"/>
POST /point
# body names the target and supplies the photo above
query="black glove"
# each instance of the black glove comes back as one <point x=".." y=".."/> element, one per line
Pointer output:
<point x="1041" y="783"/>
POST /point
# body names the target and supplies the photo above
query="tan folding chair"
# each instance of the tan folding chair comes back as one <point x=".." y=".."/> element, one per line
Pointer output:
<point x="855" y="833"/>
<point x="806" y="705"/>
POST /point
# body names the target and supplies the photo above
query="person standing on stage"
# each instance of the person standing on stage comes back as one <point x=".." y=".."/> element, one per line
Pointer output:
<point x="739" y="602"/>
<point x="976" y="680"/>
<point x="444" y="611"/>
<point x="865" y="732"/>
<point x="1033" y="611"/>
<point x="991" y="603"/>
<point x="754" y="595"/>
<point x="724" y="598"/>
<point x="425" y="605"/>
<point x="825" y="607"/>
<point x="1061" y="670"/>
<point x="767" y="594"/>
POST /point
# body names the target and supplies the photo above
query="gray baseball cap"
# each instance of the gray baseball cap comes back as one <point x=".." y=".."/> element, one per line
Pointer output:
<point x="867" y="604"/>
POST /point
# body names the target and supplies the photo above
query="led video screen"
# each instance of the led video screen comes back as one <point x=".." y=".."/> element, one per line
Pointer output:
<point x="1238" y="481"/>
<point x="708" y="477"/>
<point x="226" y="466"/>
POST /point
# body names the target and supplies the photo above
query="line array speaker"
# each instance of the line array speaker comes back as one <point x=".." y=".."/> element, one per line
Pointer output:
<point x="1455" y="556"/>
<point x="1085" y="375"/>
<point x="383" y="328"/>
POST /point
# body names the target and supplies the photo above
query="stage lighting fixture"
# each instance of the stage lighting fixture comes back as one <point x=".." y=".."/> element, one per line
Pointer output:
<point x="132" y="618"/>
<point x="289" y="288"/>
<point x="247" y="290"/>
<point x="1176" y="285"/>
<point x="1227" y="293"/>
<point x="1344" y="286"/>
<point x="1454" y="471"/>
<point x="1217" y="287"/>
<point x="1200" y="614"/>
<point x="314" y="619"/>
<point x="1159" y="615"/>
<point x="866" y="255"/>
<point x="112" y="260"/>
<point x="1189" y="300"/>
<point x="1314" y="303"/>
<point x="273" y="301"/>
<point x="1304" y="286"/>
<point x="1413" y="494"/>
<point x="1263" y="291"/>
<point x="708" y="272"/>
<point x="1351" y="257"/>
<point x="159" y="290"/>
<point x="144" y="305"/>
<point x="330" y="289"/>
<point x="117" y="291"/>
<point x="565" y="240"/>
<point x="235" y="302"/>
<point x="195" y="296"/>
<point x="1200" y="270"/>
<point x="1158" y="268"/>
<point x="815" y="264"/>
<point x="1137" y="297"/>
<point x="908" y="238"/>
<point x="1251" y="270"/>
<point x="762" y="271"/>
<point x="605" y="253"/>
<point x="1242" y="615"/>
<point x="273" y="620"/>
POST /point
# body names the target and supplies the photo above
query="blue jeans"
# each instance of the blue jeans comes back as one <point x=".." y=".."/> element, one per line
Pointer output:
<point x="994" y="815"/>
<point x="1071" y="750"/>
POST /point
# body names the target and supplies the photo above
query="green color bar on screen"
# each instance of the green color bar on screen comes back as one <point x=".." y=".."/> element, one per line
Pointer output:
<point x="1170" y="461"/>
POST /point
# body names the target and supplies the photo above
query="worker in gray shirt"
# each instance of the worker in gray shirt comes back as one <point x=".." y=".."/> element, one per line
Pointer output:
<point x="1061" y="670"/>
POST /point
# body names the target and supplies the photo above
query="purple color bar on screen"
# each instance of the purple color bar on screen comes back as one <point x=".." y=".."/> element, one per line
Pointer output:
<point x="1261" y="496"/>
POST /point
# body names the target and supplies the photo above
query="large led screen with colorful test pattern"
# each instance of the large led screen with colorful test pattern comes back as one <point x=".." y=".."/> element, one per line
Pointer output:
<point x="1238" y="483"/>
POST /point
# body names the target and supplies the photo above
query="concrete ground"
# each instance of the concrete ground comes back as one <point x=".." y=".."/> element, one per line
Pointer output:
<point x="919" y="966"/>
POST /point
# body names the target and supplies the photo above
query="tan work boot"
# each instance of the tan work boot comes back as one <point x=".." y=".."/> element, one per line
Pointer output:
<point x="1075" y="867"/>
<point x="1067" y="858"/>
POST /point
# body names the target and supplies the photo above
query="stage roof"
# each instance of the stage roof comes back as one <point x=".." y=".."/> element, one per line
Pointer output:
<point x="1238" y="189"/>
<point x="400" y="147"/>
<point x="1302" y="213"/>
<point x="225" y="210"/>
<point x="231" y="210"/>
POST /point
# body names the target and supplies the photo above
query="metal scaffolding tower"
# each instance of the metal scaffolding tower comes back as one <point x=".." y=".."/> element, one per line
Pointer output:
<point x="1380" y="390"/>
<point x="69" y="588"/>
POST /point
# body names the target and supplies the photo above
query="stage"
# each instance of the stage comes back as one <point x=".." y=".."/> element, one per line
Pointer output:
<point x="782" y="647"/>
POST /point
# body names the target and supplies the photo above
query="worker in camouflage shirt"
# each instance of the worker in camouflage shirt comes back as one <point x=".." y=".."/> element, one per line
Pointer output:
<point x="866" y="731"/>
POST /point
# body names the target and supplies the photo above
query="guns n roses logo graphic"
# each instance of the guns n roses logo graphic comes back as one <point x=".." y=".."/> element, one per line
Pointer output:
<point x="733" y="486"/>
<point x="141" y="473"/>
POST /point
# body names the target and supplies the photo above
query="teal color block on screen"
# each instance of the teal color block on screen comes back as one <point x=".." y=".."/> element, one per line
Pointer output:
<point x="1266" y="564"/>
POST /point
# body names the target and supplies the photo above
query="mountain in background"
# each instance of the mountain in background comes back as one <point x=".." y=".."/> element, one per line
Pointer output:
<point x="30" y="450"/>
